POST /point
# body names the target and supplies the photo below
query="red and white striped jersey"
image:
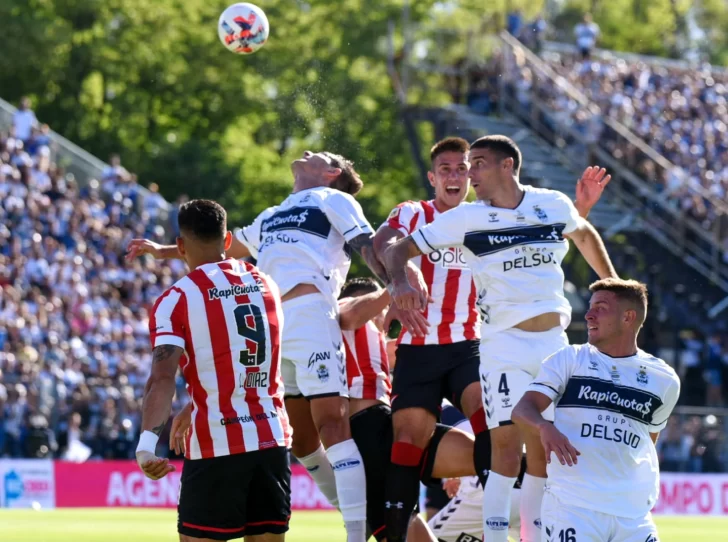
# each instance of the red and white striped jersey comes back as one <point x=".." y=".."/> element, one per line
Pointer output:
<point x="367" y="365"/>
<point x="228" y="318"/>
<point x="453" y="316"/>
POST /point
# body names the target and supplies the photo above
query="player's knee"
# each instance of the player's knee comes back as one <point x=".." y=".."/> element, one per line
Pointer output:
<point x="333" y="429"/>
<point x="304" y="443"/>
<point x="414" y="426"/>
<point x="506" y="456"/>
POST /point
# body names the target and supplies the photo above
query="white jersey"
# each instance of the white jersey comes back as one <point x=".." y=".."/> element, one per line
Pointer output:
<point x="303" y="240"/>
<point x="452" y="315"/>
<point x="607" y="407"/>
<point x="515" y="254"/>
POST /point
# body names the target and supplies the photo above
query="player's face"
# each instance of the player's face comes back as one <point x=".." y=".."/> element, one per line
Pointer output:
<point x="605" y="317"/>
<point x="450" y="179"/>
<point x="486" y="171"/>
<point x="316" y="164"/>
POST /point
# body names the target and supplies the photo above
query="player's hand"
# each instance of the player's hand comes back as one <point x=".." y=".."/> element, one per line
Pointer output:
<point x="451" y="487"/>
<point x="589" y="188"/>
<point x="139" y="247"/>
<point x="417" y="280"/>
<point x="152" y="466"/>
<point x="180" y="426"/>
<point x="555" y="441"/>
<point x="408" y="298"/>
<point x="413" y="321"/>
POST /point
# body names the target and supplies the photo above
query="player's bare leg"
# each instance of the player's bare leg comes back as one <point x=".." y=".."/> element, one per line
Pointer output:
<point x="506" y="453"/>
<point x="268" y="537"/>
<point x="454" y="455"/>
<point x="419" y="531"/>
<point x="413" y="428"/>
<point x="307" y="448"/>
<point x="532" y="487"/>
<point x="331" y="417"/>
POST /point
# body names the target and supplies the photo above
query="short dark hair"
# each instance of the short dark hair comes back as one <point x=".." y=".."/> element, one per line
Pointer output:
<point x="449" y="144"/>
<point x="359" y="286"/>
<point x="503" y="146"/>
<point x="348" y="180"/>
<point x="203" y="219"/>
<point x="631" y="291"/>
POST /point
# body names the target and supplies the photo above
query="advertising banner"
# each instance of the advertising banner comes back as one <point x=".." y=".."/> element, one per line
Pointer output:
<point x="26" y="483"/>
<point x="692" y="494"/>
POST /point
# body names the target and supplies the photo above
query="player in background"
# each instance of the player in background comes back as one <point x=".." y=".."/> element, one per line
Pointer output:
<point x="222" y="324"/>
<point x="514" y="246"/>
<point x="302" y="244"/>
<point x="444" y="361"/>
<point x="612" y="400"/>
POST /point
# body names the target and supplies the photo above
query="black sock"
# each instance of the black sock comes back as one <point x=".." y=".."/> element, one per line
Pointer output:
<point x="481" y="450"/>
<point x="403" y="489"/>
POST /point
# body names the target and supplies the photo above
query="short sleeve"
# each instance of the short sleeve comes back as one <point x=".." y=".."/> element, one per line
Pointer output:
<point x="447" y="230"/>
<point x="346" y="215"/>
<point x="169" y="319"/>
<point x="250" y="235"/>
<point x="661" y="415"/>
<point x="555" y="373"/>
<point x="572" y="217"/>
<point x="403" y="218"/>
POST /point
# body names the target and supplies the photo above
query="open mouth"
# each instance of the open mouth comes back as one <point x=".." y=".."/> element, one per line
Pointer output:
<point x="452" y="190"/>
<point x="591" y="328"/>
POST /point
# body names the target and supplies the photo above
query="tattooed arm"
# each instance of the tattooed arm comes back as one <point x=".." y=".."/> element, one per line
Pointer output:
<point x="160" y="388"/>
<point x="364" y="245"/>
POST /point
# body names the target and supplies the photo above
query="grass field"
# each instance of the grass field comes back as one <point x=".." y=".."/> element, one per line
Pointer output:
<point x="139" y="525"/>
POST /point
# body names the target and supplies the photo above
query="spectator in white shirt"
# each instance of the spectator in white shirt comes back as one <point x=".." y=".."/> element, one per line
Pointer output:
<point x="586" y="33"/>
<point x="24" y="120"/>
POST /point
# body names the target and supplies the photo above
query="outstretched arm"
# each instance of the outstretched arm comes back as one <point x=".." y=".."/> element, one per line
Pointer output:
<point x="354" y="312"/>
<point x="591" y="246"/>
<point x="589" y="189"/>
<point x="364" y="245"/>
<point x="157" y="404"/>
<point x="395" y="261"/>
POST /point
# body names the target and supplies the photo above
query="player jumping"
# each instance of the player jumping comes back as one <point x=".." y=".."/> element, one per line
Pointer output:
<point x="445" y="361"/>
<point x="612" y="400"/>
<point x="514" y="246"/>
<point x="225" y="317"/>
<point x="301" y="244"/>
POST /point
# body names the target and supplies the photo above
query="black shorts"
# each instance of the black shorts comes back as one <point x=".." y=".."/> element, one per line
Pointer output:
<point x="372" y="432"/>
<point x="236" y="495"/>
<point x="425" y="375"/>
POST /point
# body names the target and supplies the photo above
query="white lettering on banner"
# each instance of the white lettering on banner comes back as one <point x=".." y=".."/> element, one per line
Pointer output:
<point x="137" y="490"/>
<point x="692" y="494"/>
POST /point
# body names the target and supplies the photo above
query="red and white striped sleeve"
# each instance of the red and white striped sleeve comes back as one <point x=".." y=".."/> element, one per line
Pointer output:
<point x="168" y="322"/>
<point x="403" y="217"/>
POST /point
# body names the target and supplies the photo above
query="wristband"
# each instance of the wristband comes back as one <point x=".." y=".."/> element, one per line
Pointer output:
<point x="148" y="442"/>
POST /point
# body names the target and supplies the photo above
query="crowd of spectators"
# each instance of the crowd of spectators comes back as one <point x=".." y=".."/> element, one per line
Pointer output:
<point x="74" y="338"/>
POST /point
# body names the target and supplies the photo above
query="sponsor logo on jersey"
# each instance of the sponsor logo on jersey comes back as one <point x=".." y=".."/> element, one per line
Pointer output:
<point x="318" y="356"/>
<point x="449" y="258"/>
<point x="493" y="217"/>
<point x="540" y="214"/>
<point x="323" y="373"/>
<point x="642" y="378"/>
<point x="244" y="419"/>
<point x="234" y="290"/>
<point x="497" y="523"/>
<point x="532" y="260"/>
<point x="614" y="373"/>
<point x="612" y="434"/>
<point x="520" y="217"/>
<point x="307" y="219"/>
<point x="345" y="464"/>
<point x="593" y="365"/>
<point x="596" y="393"/>
<point x="482" y="243"/>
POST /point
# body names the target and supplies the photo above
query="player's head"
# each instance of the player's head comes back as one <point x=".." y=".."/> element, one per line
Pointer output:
<point x="449" y="171"/>
<point x="617" y="310"/>
<point x="327" y="169"/>
<point x="361" y="286"/>
<point x="203" y="231"/>
<point x="494" y="161"/>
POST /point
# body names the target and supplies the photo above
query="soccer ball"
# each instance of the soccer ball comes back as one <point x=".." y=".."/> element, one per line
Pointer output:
<point x="243" y="28"/>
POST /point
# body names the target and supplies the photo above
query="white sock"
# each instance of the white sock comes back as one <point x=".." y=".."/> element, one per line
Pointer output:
<point x="497" y="507"/>
<point x="531" y="497"/>
<point x="351" y="487"/>
<point x="318" y="466"/>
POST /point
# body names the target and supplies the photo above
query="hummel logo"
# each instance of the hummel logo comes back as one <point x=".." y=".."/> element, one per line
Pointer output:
<point x="398" y="505"/>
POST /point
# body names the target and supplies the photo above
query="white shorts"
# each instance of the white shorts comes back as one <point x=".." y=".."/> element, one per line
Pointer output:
<point x="313" y="363"/>
<point x="462" y="518"/>
<point x="566" y="523"/>
<point x="509" y="362"/>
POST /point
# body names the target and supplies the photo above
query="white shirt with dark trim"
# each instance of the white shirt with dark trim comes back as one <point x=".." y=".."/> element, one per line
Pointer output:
<point x="607" y="407"/>
<point x="515" y="254"/>
<point x="303" y="240"/>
